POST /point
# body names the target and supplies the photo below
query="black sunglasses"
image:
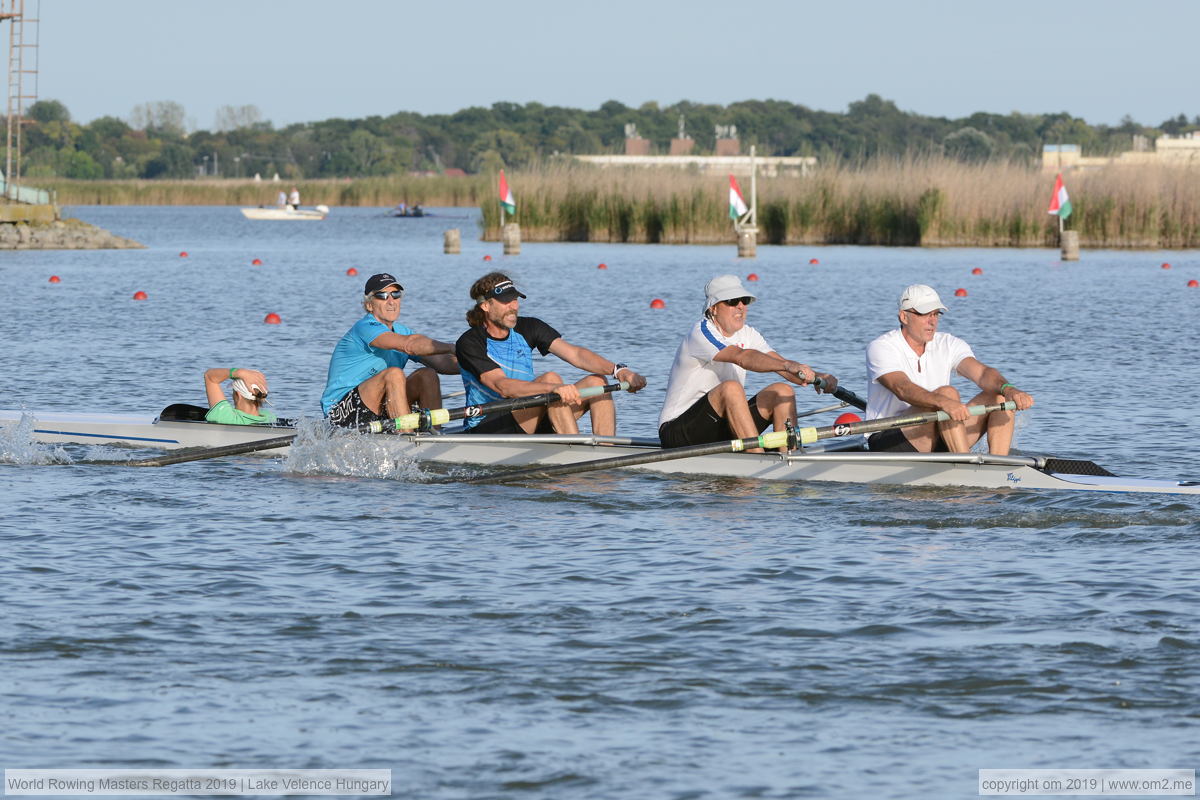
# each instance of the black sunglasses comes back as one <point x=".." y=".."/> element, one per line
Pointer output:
<point x="735" y="302"/>
<point x="385" y="295"/>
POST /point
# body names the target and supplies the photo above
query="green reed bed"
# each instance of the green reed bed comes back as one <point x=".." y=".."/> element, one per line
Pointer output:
<point x="925" y="202"/>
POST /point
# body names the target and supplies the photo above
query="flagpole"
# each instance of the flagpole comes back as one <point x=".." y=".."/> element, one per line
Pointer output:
<point x="501" y="211"/>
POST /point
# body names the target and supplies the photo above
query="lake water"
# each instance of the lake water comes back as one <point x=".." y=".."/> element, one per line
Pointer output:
<point x="605" y="635"/>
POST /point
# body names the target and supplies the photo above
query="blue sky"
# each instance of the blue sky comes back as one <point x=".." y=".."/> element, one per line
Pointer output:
<point x="304" y="60"/>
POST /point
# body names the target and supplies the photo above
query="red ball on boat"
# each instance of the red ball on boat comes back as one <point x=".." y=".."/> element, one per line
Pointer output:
<point x="272" y="319"/>
<point x="657" y="303"/>
<point x="960" y="292"/>
<point x="977" y="271"/>
<point x="753" y="276"/>
<point x="55" y="279"/>
<point x="847" y="418"/>
<point x="139" y="295"/>
<point x="352" y="271"/>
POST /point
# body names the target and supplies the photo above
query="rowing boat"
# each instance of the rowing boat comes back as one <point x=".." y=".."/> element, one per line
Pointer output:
<point x="838" y="460"/>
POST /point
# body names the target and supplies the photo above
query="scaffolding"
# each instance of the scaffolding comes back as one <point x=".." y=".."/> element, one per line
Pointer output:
<point x="22" y="70"/>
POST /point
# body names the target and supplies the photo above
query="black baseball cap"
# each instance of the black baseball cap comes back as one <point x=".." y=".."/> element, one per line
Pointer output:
<point x="381" y="281"/>
<point x="504" y="291"/>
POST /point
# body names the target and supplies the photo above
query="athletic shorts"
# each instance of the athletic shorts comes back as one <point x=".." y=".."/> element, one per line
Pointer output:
<point x="894" y="441"/>
<point x="503" y="424"/>
<point x="351" y="411"/>
<point x="701" y="424"/>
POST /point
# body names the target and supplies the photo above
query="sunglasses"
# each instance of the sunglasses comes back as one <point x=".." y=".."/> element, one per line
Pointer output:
<point x="937" y="312"/>
<point x="396" y="295"/>
<point x="735" y="302"/>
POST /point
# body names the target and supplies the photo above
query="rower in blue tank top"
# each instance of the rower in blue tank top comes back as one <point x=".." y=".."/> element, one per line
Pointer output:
<point x="496" y="360"/>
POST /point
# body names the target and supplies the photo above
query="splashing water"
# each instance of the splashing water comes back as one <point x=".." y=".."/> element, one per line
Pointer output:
<point x="18" y="447"/>
<point x="321" y="450"/>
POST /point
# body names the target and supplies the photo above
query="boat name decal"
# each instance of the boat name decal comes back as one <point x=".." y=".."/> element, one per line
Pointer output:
<point x="1012" y="478"/>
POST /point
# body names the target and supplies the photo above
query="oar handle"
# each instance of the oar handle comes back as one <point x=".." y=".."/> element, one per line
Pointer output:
<point x="810" y="435"/>
<point x="843" y="394"/>
<point x="440" y="416"/>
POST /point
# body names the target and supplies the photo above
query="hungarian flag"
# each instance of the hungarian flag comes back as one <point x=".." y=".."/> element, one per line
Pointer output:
<point x="1060" y="203"/>
<point x="737" y="205"/>
<point x="506" y="199"/>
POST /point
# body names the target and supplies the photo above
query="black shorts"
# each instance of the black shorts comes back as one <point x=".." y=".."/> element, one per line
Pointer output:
<point x="505" y="423"/>
<point x="351" y="411"/>
<point x="701" y="424"/>
<point x="894" y="441"/>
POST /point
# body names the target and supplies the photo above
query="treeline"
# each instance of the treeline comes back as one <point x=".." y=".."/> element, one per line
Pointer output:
<point x="154" y="142"/>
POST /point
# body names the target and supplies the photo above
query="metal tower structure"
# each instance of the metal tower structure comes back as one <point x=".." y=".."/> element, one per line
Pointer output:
<point x="22" y="62"/>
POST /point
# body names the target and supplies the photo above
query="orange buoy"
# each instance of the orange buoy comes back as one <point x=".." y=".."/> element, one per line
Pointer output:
<point x="847" y="418"/>
<point x="352" y="271"/>
<point x="657" y="303"/>
<point x="813" y="261"/>
<point x="960" y="292"/>
<point x="1193" y="283"/>
<point x="602" y="266"/>
<point x="753" y="276"/>
<point x="487" y="258"/>
<point x="256" y="262"/>
<point x="139" y="295"/>
<point x="1166" y="265"/>
<point x="55" y="279"/>
<point x="977" y="271"/>
<point x="183" y="254"/>
<point x="272" y="319"/>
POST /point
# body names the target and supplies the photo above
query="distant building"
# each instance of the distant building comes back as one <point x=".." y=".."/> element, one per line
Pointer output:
<point x="768" y="166"/>
<point x="1169" y="151"/>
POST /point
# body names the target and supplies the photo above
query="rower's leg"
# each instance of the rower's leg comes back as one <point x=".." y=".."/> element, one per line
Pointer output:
<point x="777" y="403"/>
<point x="728" y="399"/>
<point x="385" y="393"/>
<point x="424" y="388"/>
<point x="562" y="416"/>
<point x="602" y="409"/>
<point x="953" y="433"/>
<point x="998" y="425"/>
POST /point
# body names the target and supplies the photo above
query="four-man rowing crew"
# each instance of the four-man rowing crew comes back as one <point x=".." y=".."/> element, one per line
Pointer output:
<point x="515" y="418"/>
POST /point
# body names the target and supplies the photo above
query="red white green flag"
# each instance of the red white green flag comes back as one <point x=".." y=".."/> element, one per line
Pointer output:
<point x="506" y="199"/>
<point x="1060" y="203"/>
<point x="737" y="204"/>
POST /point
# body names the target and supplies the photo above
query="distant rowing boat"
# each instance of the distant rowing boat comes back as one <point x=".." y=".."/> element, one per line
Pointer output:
<point x="277" y="213"/>
<point x="841" y="461"/>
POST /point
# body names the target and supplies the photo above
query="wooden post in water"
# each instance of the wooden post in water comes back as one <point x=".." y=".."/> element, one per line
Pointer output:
<point x="1070" y="245"/>
<point x="510" y="235"/>
<point x="747" y="226"/>
<point x="452" y="242"/>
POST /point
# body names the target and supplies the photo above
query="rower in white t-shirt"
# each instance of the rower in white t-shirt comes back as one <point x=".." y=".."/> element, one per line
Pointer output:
<point x="909" y="369"/>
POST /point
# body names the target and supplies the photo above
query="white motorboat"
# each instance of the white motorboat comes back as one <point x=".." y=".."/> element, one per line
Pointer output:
<point x="285" y="212"/>
<point x="836" y="460"/>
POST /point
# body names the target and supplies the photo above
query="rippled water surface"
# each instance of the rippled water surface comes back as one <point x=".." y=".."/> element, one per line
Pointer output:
<point x="606" y="635"/>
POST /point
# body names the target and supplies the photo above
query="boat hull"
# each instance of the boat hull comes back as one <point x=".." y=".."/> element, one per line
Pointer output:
<point x="282" y="214"/>
<point x="827" y="462"/>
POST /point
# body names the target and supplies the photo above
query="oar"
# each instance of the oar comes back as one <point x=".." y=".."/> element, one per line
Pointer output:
<point x="844" y="394"/>
<point x="408" y="421"/>
<point x="440" y="416"/>
<point x="766" y="441"/>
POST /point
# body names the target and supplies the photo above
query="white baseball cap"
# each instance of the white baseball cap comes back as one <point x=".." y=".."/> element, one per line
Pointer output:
<point x="921" y="299"/>
<point x="725" y="287"/>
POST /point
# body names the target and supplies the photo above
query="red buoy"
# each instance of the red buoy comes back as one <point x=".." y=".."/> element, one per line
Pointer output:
<point x="272" y="319"/>
<point x="960" y="292"/>
<point x="602" y="266"/>
<point x="657" y="303"/>
<point x="977" y="271"/>
<point x="183" y="254"/>
<point x="487" y="258"/>
<point x="55" y="279"/>
<point x="1166" y="265"/>
<point x="256" y="262"/>
<point x="352" y="271"/>
<point x="139" y="295"/>
<point x="847" y="418"/>
<point x="813" y="261"/>
<point x="753" y="276"/>
<point x="1193" y="283"/>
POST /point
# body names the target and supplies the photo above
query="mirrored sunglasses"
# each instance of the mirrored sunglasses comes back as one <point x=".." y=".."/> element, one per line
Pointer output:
<point x="396" y="295"/>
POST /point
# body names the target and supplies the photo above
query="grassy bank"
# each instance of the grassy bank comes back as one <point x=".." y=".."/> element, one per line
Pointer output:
<point x="412" y="189"/>
<point x="934" y="203"/>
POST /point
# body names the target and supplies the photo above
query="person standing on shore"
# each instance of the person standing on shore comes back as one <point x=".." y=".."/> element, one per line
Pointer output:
<point x="496" y="356"/>
<point x="294" y="198"/>
<point x="366" y="379"/>
<point x="909" y="369"/>
<point x="706" y="393"/>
